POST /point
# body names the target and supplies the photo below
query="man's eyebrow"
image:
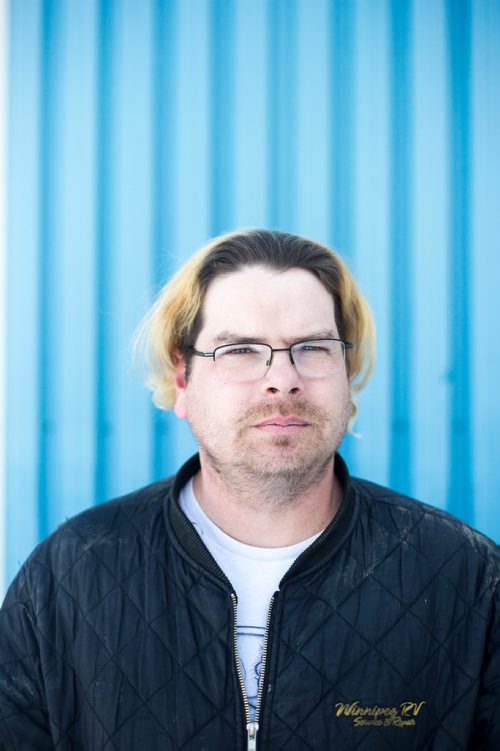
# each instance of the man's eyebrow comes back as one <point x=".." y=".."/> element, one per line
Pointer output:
<point x="323" y="334"/>
<point x="231" y="337"/>
<point x="228" y="337"/>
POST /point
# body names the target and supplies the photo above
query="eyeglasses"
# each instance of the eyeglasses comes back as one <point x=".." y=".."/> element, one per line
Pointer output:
<point x="249" y="361"/>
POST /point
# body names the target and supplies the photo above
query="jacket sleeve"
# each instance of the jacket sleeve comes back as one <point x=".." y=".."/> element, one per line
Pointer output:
<point x="486" y="734"/>
<point x="23" y="716"/>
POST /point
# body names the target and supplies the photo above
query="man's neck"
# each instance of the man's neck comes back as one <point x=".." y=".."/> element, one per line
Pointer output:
<point x="250" y="515"/>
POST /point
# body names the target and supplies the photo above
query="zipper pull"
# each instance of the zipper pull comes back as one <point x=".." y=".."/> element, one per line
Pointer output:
<point x="252" y="729"/>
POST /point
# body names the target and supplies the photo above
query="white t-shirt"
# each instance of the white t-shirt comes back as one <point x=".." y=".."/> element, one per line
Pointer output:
<point x="255" y="574"/>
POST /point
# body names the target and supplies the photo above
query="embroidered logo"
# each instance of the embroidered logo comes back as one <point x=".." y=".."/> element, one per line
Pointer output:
<point x="401" y="716"/>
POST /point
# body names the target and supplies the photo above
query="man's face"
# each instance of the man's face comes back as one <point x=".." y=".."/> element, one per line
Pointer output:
<point x="283" y="423"/>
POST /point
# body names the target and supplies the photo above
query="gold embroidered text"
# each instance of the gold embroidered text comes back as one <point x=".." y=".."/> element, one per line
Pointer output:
<point x="400" y="716"/>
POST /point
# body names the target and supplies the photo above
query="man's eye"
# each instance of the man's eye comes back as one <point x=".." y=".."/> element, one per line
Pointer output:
<point x="313" y="348"/>
<point x="239" y="351"/>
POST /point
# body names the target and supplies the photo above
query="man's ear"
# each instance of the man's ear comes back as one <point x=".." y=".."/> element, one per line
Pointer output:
<point x="180" y="407"/>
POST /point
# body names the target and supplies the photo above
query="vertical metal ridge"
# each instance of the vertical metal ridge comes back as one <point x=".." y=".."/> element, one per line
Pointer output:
<point x="289" y="114"/>
<point x="460" y="496"/>
<point x="47" y="156"/>
<point x="273" y="93"/>
<point x="103" y="213"/>
<point x="281" y="41"/>
<point x="400" y="247"/>
<point x="4" y="218"/>
<point x="222" y="115"/>
<point x="341" y="83"/>
<point x="163" y="203"/>
<point x="342" y="120"/>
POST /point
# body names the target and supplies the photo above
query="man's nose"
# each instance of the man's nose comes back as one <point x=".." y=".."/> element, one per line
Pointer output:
<point x="281" y="376"/>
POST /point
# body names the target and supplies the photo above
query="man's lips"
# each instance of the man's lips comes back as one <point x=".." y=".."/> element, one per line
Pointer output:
<point x="279" y="424"/>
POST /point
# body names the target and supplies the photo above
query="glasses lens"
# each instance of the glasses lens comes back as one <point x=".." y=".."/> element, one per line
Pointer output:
<point x="318" y="356"/>
<point x="242" y="362"/>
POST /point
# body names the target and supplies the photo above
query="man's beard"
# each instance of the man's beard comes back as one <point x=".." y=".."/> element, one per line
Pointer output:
<point x="278" y="468"/>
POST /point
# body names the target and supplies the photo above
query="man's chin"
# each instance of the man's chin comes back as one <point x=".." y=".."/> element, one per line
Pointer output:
<point x="283" y="458"/>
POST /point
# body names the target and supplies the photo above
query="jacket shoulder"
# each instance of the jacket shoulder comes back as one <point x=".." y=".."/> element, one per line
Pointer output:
<point x="92" y="525"/>
<point x="425" y="528"/>
<point x="113" y="533"/>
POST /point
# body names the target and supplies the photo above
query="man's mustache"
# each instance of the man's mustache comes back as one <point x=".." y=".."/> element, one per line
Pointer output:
<point x="298" y="408"/>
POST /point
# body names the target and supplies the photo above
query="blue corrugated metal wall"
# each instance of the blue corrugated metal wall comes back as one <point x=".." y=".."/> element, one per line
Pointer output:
<point x="139" y="128"/>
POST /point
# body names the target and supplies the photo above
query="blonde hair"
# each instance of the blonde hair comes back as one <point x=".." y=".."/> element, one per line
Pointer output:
<point x="176" y="317"/>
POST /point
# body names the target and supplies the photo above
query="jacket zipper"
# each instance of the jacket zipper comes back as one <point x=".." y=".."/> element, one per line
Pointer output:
<point x="251" y="727"/>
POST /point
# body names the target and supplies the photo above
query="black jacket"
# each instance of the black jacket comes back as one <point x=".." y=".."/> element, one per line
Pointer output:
<point x="118" y="633"/>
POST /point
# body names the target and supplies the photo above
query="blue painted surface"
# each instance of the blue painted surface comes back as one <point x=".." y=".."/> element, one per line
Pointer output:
<point x="222" y="85"/>
<point x="401" y="460"/>
<point x="282" y="117"/>
<point x="71" y="472"/>
<point x="460" y="495"/>
<point x="371" y="225"/>
<point x="139" y="129"/>
<point x="341" y="64"/>
<point x="23" y="346"/>
<point x="430" y="243"/>
<point x="485" y="232"/>
<point x="313" y="207"/>
<point x="341" y="23"/>
<point x="104" y="152"/>
<point x="163" y="197"/>
<point x="251" y="101"/>
<point x="49" y="68"/>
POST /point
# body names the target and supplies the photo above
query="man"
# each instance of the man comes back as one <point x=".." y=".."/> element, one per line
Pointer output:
<point x="262" y="598"/>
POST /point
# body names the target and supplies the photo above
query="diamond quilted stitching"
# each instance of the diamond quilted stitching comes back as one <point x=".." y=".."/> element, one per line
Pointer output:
<point x="173" y="704"/>
<point x="146" y="649"/>
<point x="115" y="708"/>
<point x="393" y="554"/>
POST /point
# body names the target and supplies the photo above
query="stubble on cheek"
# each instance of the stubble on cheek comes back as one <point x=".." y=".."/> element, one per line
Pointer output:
<point x="274" y="468"/>
<point x="283" y="467"/>
<point x="235" y="440"/>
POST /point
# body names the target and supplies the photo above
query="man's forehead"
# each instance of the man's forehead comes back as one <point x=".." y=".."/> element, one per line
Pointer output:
<point x="256" y="303"/>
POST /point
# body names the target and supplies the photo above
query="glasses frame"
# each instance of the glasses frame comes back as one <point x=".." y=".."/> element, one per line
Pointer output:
<point x="199" y="353"/>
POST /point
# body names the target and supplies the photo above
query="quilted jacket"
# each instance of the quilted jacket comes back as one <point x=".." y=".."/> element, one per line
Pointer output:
<point x="119" y="633"/>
